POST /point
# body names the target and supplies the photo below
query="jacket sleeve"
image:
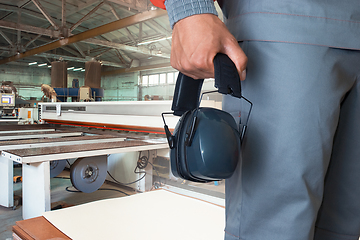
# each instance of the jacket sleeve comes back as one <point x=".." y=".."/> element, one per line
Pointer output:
<point x="179" y="9"/>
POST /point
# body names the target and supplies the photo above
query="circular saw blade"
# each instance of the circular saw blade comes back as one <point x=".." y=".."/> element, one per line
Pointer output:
<point x="88" y="174"/>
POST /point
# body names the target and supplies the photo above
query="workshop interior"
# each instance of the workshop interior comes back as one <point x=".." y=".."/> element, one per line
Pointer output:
<point x="100" y="137"/>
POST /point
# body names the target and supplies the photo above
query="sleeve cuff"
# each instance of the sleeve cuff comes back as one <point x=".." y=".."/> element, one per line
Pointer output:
<point x="179" y="9"/>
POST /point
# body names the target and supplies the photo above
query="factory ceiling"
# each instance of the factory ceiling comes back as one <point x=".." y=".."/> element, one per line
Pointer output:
<point x="122" y="34"/>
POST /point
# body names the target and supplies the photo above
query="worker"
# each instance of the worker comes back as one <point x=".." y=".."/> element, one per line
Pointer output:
<point x="300" y="164"/>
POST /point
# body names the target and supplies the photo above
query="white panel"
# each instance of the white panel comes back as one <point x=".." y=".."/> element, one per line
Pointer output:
<point x="121" y="166"/>
<point x="36" y="189"/>
<point x="6" y="182"/>
<point x="152" y="215"/>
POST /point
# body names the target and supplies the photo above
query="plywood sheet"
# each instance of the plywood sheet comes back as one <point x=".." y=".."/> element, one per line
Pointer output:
<point x="153" y="215"/>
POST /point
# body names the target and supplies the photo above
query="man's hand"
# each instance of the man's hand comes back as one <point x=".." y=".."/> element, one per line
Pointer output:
<point x="195" y="42"/>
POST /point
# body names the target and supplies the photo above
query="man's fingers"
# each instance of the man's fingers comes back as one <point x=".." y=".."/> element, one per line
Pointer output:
<point x="237" y="55"/>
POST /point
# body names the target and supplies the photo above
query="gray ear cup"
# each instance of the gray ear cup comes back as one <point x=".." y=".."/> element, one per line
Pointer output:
<point x="178" y="153"/>
<point x="182" y="149"/>
<point x="214" y="150"/>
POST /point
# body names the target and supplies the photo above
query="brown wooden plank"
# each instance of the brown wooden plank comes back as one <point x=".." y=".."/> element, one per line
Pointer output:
<point x="38" y="228"/>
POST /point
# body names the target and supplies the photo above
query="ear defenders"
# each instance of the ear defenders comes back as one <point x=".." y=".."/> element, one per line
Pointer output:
<point x="206" y="142"/>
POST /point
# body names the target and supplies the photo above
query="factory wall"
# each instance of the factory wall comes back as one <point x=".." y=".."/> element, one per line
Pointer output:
<point x="164" y="92"/>
<point x="124" y="87"/>
<point x="28" y="80"/>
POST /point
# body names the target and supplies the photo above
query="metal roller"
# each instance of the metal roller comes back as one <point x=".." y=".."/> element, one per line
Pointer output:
<point x="56" y="167"/>
<point x="88" y="174"/>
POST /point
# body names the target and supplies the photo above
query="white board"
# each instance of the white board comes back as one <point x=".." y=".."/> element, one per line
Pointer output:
<point x="152" y="215"/>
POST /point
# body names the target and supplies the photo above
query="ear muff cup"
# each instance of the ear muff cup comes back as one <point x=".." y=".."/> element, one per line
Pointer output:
<point x="178" y="157"/>
<point x="214" y="152"/>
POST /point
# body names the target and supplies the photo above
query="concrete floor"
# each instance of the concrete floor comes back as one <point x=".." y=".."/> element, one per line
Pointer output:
<point x="8" y="216"/>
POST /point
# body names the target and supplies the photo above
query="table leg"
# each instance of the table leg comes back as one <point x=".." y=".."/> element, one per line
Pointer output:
<point x="36" y="189"/>
<point x="6" y="182"/>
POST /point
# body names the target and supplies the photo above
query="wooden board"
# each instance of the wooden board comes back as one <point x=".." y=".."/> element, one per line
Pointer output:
<point x="37" y="228"/>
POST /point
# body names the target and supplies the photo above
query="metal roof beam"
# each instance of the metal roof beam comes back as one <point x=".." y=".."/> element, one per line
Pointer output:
<point x="85" y="17"/>
<point x="7" y="39"/>
<point x="82" y="6"/>
<point x="126" y="57"/>
<point x="105" y="51"/>
<point x="78" y="59"/>
<point x="63" y="13"/>
<point x="79" y="49"/>
<point x="140" y="49"/>
<point x="52" y="33"/>
<point x="19" y="31"/>
<point x="25" y="11"/>
<point x="136" y="69"/>
<point x="46" y="15"/>
<point x="125" y="22"/>
<point x="28" y="28"/>
<point x="32" y="40"/>
<point x="118" y="18"/>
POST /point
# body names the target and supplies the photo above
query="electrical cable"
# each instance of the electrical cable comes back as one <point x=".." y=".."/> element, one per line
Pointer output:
<point x="117" y="190"/>
<point x="141" y="164"/>
<point x="125" y="183"/>
<point x="108" y="189"/>
<point x="76" y="191"/>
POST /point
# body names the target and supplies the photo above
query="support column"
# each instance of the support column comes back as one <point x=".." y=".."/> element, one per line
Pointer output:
<point x="6" y="182"/>
<point x="36" y="189"/>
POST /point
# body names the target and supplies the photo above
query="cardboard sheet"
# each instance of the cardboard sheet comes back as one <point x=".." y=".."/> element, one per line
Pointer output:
<point x="153" y="215"/>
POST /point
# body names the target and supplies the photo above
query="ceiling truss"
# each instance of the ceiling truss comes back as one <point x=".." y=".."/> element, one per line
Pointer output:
<point x="60" y="31"/>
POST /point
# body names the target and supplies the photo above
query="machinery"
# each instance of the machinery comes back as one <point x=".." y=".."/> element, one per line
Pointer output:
<point x="7" y="100"/>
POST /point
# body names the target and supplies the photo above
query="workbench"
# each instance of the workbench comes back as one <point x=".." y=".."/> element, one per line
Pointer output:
<point x="34" y="147"/>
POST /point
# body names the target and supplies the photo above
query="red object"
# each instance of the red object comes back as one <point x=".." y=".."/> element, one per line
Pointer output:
<point x="159" y="3"/>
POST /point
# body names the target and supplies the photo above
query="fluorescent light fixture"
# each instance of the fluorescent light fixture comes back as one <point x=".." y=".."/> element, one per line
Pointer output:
<point x="49" y="66"/>
<point x="33" y="63"/>
<point x="76" y="69"/>
<point x="70" y="68"/>
<point x="44" y="64"/>
<point x="157" y="40"/>
<point x="83" y="70"/>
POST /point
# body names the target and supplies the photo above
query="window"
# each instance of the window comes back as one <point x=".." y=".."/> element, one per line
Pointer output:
<point x="170" y="77"/>
<point x="163" y="78"/>
<point x="145" y="80"/>
<point x="154" y="79"/>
